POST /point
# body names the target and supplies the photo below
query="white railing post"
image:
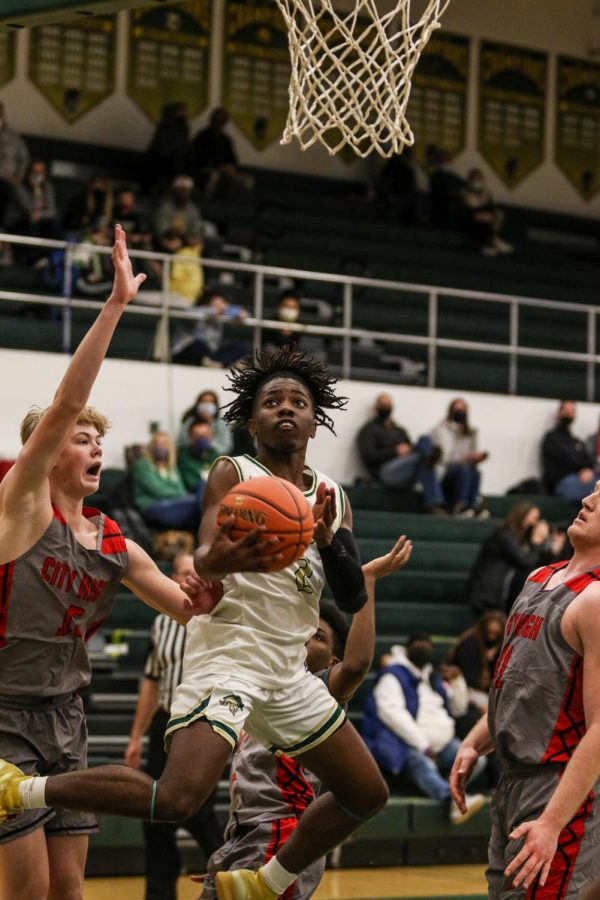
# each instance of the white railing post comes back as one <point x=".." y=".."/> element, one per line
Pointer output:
<point x="591" y="349"/>
<point x="347" y="338"/>
<point x="259" y="306"/>
<point x="514" y="345"/>
<point x="432" y="336"/>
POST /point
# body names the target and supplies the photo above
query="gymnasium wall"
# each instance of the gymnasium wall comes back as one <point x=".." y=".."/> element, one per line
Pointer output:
<point x="134" y="394"/>
<point x="552" y="25"/>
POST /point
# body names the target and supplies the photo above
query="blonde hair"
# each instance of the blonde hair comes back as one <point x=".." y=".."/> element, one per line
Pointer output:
<point x="87" y="416"/>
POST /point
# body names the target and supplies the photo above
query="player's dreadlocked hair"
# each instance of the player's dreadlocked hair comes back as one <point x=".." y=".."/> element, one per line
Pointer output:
<point x="246" y="378"/>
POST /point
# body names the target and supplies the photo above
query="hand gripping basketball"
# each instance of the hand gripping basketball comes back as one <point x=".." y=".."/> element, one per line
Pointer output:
<point x="268" y="519"/>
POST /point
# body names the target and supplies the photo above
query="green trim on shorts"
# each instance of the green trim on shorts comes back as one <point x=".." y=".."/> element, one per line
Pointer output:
<point x="226" y="732"/>
<point x="334" y="719"/>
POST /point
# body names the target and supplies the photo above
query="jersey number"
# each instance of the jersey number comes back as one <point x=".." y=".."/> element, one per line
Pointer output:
<point x="68" y="626"/>
<point x="503" y="661"/>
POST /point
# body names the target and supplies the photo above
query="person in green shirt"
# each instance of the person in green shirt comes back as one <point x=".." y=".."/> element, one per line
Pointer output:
<point x="159" y="492"/>
<point x="196" y="457"/>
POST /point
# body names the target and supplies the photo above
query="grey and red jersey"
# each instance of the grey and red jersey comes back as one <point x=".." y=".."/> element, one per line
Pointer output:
<point x="535" y="712"/>
<point x="53" y="598"/>
<point x="266" y="788"/>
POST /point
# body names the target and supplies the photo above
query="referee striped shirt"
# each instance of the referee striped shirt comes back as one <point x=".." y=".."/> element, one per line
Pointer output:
<point x="164" y="662"/>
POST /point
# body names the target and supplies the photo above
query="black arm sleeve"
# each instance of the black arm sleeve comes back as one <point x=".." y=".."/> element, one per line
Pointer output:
<point x="341" y="562"/>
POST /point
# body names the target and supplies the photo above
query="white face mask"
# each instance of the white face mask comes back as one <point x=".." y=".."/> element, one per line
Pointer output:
<point x="288" y="314"/>
<point x="209" y="409"/>
<point x="37" y="179"/>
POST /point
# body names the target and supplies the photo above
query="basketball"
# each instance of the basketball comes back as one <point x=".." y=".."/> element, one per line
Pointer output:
<point x="278" y="507"/>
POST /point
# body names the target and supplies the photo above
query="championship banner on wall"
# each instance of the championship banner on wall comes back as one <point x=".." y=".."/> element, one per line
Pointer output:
<point x="512" y="98"/>
<point x="256" y="72"/>
<point x="168" y="57"/>
<point x="438" y="96"/>
<point x="577" y="141"/>
<point x="7" y="56"/>
<point x="73" y="65"/>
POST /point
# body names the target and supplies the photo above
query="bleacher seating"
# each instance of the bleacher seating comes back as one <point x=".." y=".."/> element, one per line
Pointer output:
<point x="318" y="224"/>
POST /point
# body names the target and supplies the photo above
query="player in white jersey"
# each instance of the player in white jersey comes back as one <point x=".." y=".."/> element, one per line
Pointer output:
<point x="60" y="566"/>
<point x="249" y="671"/>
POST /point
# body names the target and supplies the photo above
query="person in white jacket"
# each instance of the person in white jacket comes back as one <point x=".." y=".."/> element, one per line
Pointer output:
<point x="409" y="723"/>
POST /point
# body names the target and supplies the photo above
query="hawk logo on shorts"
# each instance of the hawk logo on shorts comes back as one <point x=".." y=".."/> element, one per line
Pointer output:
<point x="233" y="702"/>
<point x="303" y="575"/>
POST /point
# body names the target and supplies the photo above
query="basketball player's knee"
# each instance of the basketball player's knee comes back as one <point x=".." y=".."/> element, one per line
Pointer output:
<point x="366" y="802"/>
<point x="176" y="805"/>
<point x="33" y="885"/>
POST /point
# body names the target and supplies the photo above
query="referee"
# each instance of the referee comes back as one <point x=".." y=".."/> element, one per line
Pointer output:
<point x="162" y="674"/>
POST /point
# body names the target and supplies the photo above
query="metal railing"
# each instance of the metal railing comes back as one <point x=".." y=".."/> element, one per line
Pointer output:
<point x="347" y="332"/>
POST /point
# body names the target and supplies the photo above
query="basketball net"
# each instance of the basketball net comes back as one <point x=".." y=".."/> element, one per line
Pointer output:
<point x="351" y="73"/>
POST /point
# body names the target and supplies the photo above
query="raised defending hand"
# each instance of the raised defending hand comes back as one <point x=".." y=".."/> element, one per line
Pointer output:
<point x="396" y="559"/>
<point x="125" y="283"/>
<point x="249" y="554"/>
<point x="537" y="853"/>
<point x="324" y="512"/>
<point x="202" y="595"/>
<point x="464" y="763"/>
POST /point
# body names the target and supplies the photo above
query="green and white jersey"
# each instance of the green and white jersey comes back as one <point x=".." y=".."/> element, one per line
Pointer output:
<point x="260" y="626"/>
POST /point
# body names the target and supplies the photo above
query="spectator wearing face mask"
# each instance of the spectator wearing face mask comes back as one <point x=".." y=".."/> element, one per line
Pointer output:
<point x="482" y="217"/>
<point x="159" y="492"/>
<point x="178" y="211"/>
<point x="520" y="544"/>
<point x="409" y="724"/>
<point x="569" y="469"/>
<point x="205" y="405"/>
<point x="288" y="311"/>
<point x="196" y="457"/>
<point x="37" y="203"/>
<point x="459" y="460"/>
<point x="390" y="456"/>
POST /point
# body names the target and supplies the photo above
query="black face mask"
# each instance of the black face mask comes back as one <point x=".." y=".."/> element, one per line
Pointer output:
<point x="384" y="413"/>
<point x="419" y="657"/>
<point x="491" y="642"/>
<point x="459" y="416"/>
<point x="565" y="421"/>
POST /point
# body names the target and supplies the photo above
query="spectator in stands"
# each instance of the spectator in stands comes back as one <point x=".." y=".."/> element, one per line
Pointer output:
<point x="205" y="344"/>
<point x="288" y="311"/>
<point x="521" y="543"/>
<point x="162" y="673"/>
<point x="445" y="188"/>
<point x="127" y="214"/>
<point x="206" y="404"/>
<point x="91" y="207"/>
<point x="36" y="204"/>
<point x="214" y="159"/>
<point x="592" y="446"/>
<point x="568" y="467"/>
<point x="409" y="724"/>
<point x="196" y="456"/>
<point x="14" y="159"/>
<point x="170" y="148"/>
<point x="459" y="459"/>
<point x="186" y="277"/>
<point x="178" y="211"/>
<point x="476" y="653"/>
<point x="482" y="217"/>
<point x="391" y="458"/>
<point x="402" y="188"/>
<point x="158" y="491"/>
<point x="94" y="270"/>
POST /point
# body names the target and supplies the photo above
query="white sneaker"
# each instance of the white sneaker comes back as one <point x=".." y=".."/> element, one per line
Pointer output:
<point x="503" y="246"/>
<point x="474" y="802"/>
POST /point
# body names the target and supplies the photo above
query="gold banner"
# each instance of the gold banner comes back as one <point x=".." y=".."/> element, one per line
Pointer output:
<point x="577" y="139"/>
<point x="7" y="57"/>
<point x="73" y="65"/>
<point x="168" y="57"/>
<point x="512" y="109"/>
<point x="438" y="96"/>
<point x="256" y="69"/>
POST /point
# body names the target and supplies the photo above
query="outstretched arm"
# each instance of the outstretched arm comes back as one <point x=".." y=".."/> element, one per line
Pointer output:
<point x="347" y="675"/>
<point x="38" y="456"/>
<point x="339" y="552"/>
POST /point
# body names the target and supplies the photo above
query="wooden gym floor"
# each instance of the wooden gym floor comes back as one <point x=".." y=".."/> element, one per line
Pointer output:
<point x="410" y="883"/>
